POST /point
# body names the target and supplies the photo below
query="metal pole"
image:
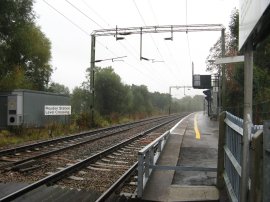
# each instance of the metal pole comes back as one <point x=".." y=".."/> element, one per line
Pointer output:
<point x="248" y="86"/>
<point x="92" y="79"/>
<point x="223" y="84"/>
<point x="170" y="100"/>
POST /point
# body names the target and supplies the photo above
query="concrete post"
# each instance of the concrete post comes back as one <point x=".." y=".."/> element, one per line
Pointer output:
<point x="248" y="86"/>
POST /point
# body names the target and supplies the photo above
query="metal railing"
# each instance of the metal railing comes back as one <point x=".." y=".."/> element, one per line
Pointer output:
<point x="230" y="153"/>
<point x="146" y="157"/>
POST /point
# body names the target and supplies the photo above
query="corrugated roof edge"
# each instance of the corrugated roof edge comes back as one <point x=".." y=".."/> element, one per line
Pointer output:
<point x="38" y="92"/>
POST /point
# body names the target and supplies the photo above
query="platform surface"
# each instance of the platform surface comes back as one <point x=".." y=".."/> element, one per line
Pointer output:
<point x="192" y="142"/>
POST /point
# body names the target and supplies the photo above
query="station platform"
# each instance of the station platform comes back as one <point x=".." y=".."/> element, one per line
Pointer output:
<point x="193" y="143"/>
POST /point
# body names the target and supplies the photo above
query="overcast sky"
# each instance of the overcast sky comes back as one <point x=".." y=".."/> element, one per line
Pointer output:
<point x="71" y="45"/>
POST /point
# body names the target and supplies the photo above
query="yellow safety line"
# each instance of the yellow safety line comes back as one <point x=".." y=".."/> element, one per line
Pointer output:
<point x="197" y="132"/>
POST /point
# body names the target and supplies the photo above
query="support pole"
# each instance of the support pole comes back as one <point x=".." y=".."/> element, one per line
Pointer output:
<point x="92" y="79"/>
<point x="248" y="86"/>
<point x="170" y="89"/>
<point x="223" y="83"/>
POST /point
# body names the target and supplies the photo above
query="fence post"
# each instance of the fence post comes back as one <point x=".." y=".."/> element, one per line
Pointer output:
<point x="266" y="161"/>
<point x="160" y="146"/>
<point x="140" y="175"/>
<point x="147" y="161"/>
<point x="221" y="142"/>
<point x="151" y="160"/>
<point x="256" y="167"/>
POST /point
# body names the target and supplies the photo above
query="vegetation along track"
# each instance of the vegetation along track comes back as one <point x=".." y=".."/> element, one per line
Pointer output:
<point x="100" y="170"/>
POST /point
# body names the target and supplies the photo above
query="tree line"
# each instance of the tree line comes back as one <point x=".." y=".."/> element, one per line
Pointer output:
<point x="234" y="74"/>
<point x="24" y="50"/>
<point x="25" y="54"/>
<point x="115" y="100"/>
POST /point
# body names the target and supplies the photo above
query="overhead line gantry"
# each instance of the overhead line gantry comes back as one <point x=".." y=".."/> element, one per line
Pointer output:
<point x="120" y="33"/>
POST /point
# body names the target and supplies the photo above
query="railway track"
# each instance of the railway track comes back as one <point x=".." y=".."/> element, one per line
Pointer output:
<point x="110" y="163"/>
<point x="14" y="150"/>
<point x="23" y="157"/>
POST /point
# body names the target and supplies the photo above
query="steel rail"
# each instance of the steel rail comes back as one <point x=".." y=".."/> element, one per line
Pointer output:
<point x="11" y="165"/>
<point x="70" y="137"/>
<point x="118" y="184"/>
<point x="73" y="168"/>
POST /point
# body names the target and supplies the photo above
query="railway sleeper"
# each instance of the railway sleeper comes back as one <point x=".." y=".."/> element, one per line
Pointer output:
<point x="72" y="177"/>
<point x="107" y="165"/>
<point x="20" y="166"/>
<point x="116" y="157"/>
<point x="121" y="162"/>
<point x="31" y="168"/>
<point x="98" y="169"/>
<point x="9" y="159"/>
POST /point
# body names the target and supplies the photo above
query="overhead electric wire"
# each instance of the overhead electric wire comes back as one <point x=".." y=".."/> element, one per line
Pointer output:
<point x="189" y="52"/>
<point x="123" y="46"/>
<point x="146" y="25"/>
<point x="139" y="12"/>
<point x="186" y="12"/>
<point x="95" y="23"/>
<point x="119" y="41"/>
<point x="190" y="60"/>
<point x="85" y="32"/>
<point x="162" y="58"/>
<point x="76" y="25"/>
<point x="105" y="22"/>
<point x="152" y="10"/>
<point x="159" y="79"/>
<point x="83" y="13"/>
